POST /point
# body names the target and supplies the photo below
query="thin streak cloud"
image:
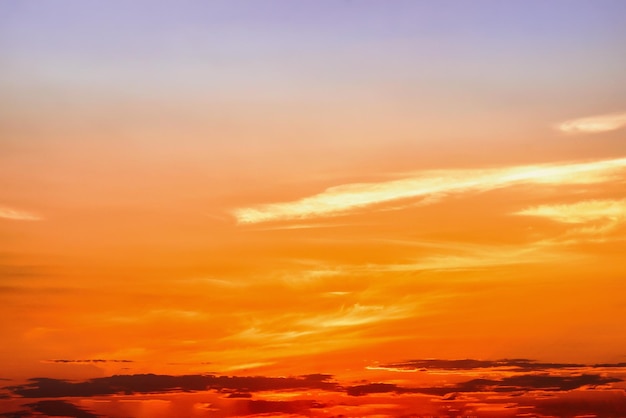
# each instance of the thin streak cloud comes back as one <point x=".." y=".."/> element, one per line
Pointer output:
<point x="430" y="186"/>
<point x="17" y="215"/>
<point x="581" y="212"/>
<point x="594" y="124"/>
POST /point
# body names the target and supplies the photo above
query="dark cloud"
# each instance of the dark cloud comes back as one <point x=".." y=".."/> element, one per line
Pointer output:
<point x="17" y="414"/>
<point x="151" y="383"/>
<point x="595" y="403"/>
<point x="535" y="382"/>
<point x="526" y="382"/>
<point x="470" y="364"/>
<point x="52" y="408"/>
<point x="369" y="388"/>
<point x="239" y="395"/>
<point x="524" y="388"/>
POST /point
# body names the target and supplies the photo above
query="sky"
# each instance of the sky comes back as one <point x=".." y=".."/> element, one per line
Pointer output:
<point x="312" y="208"/>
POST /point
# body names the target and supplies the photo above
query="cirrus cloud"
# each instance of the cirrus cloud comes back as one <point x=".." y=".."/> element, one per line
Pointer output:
<point x="581" y="212"/>
<point x="429" y="187"/>
<point x="594" y="124"/>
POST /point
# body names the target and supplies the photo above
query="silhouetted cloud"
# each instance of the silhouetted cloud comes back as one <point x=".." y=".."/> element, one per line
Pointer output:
<point x="470" y="364"/>
<point x="535" y="381"/>
<point x="17" y="414"/>
<point x="239" y="395"/>
<point x="581" y="403"/>
<point x="152" y="383"/>
<point x="506" y="387"/>
<point x="525" y="382"/>
<point x="52" y="408"/>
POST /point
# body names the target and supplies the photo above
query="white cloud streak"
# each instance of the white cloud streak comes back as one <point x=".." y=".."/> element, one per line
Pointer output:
<point x="430" y="186"/>
<point x="17" y="215"/>
<point x="594" y="124"/>
<point x="581" y="212"/>
<point x="360" y="315"/>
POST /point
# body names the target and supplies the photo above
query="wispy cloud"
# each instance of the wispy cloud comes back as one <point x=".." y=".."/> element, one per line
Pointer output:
<point x="314" y="327"/>
<point x="593" y="218"/>
<point x="594" y="124"/>
<point x="430" y="186"/>
<point x="360" y="315"/>
<point x="581" y="212"/>
<point x="481" y="257"/>
<point x="18" y="215"/>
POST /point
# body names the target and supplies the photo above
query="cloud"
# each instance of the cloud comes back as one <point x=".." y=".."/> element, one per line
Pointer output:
<point x="55" y="408"/>
<point x="52" y="408"/>
<point x="18" y="215"/>
<point x="472" y="364"/>
<point x="613" y="211"/>
<point x="525" y="382"/>
<point x="359" y="315"/>
<point x="152" y="383"/>
<point x="510" y="387"/>
<point x="323" y="328"/>
<point x="594" y="124"/>
<point x="523" y="375"/>
<point x="603" y="403"/>
<point x="430" y="186"/>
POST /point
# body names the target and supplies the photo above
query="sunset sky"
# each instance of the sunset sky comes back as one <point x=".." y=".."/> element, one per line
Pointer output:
<point x="288" y="189"/>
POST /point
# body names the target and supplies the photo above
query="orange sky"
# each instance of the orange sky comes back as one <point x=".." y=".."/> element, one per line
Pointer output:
<point x="251" y="196"/>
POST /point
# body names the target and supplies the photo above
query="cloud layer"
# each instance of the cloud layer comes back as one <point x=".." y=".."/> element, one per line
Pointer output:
<point x="440" y="387"/>
<point x="429" y="186"/>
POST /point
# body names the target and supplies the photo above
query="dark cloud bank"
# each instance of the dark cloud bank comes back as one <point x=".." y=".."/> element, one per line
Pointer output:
<point x="153" y="383"/>
<point x="471" y="364"/>
<point x="545" y="388"/>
